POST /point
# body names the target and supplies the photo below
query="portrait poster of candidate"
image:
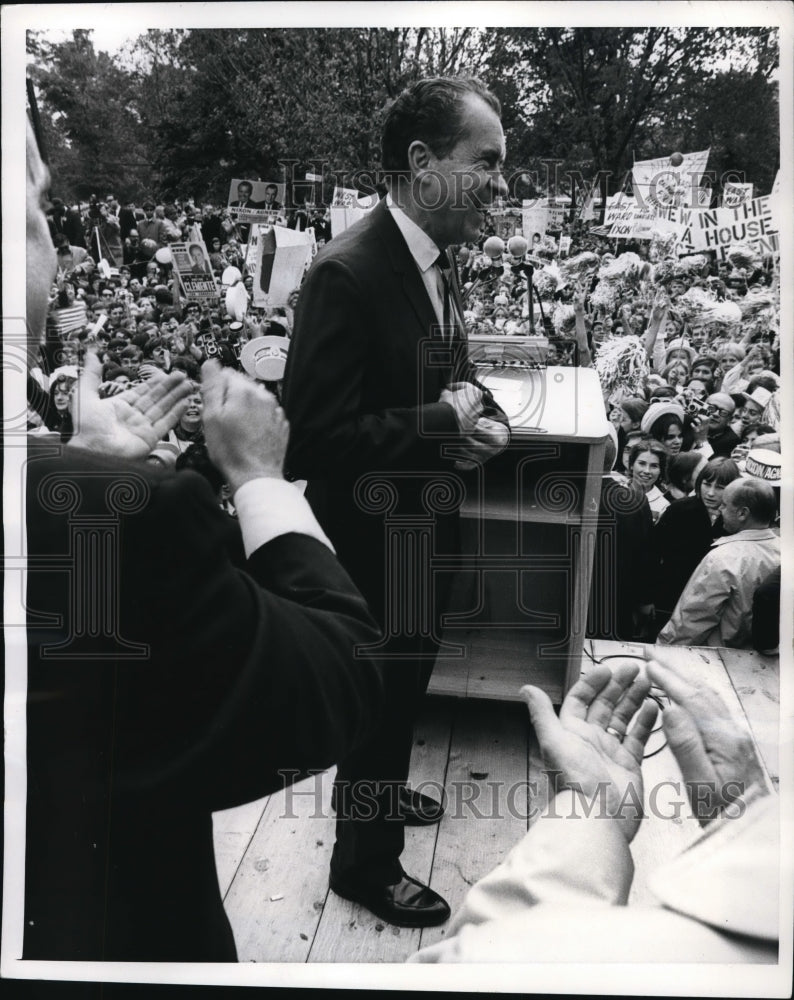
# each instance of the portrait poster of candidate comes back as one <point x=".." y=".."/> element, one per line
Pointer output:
<point x="255" y="201"/>
<point x="192" y="264"/>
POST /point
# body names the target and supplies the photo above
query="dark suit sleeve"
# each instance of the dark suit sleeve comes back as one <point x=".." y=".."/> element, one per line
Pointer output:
<point x="333" y="431"/>
<point x="258" y="676"/>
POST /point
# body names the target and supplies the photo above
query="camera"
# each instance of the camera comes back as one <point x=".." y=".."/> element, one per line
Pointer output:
<point x="691" y="405"/>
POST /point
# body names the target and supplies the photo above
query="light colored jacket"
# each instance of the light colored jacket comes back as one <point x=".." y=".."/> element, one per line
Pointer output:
<point x="560" y="896"/>
<point x="716" y="607"/>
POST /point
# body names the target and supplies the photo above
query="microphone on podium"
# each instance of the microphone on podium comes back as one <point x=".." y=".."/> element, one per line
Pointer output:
<point x="494" y="247"/>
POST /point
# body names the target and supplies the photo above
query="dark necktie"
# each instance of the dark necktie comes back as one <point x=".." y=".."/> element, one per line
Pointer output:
<point x="444" y="267"/>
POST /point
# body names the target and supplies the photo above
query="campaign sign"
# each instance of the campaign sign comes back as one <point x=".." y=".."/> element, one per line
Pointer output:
<point x="661" y="182"/>
<point x="255" y="201"/>
<point x="735" y="194"/>
<point x="192" y="264"/>
<point x="751" y="222"/>
<point x="534" y="217"/>
<point x="282" y="256"/>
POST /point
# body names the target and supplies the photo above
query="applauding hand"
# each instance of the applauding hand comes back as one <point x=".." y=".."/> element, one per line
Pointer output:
<point x="244" y="426"/>
<point x="716" y="756"/>
<point x="591" y="744"/>
<point x="130" y="424"/>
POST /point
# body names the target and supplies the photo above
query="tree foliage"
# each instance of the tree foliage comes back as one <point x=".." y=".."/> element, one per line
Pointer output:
<point x="183" y="111"/>
<point x="91" y="128"/>
<point x="597" y="98"/>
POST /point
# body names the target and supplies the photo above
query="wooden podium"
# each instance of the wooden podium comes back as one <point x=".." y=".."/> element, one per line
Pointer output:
<point x="529" y="518"/>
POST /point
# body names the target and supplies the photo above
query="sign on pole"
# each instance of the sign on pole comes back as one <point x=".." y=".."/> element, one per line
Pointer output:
<point x="662" y="182"/>
<point x="192" y="264"/>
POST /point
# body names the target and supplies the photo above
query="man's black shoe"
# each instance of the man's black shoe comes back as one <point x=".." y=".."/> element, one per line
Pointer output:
<point x="418" y="809"/>
<point x="408" y="903"/>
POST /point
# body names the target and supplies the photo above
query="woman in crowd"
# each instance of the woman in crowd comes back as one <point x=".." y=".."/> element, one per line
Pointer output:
<point x="58" y="416"/>
<point x="685" y="531"/>
<point x="676" y="373"/>
<point x="647" y="470"/>
<point x="627" y="417"/>
<point x="664" y="422"/>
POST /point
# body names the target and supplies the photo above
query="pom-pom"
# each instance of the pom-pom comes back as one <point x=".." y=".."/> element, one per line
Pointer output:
<point x="546" y="282"/>
<point x="605" y="296"/>
<point x="688" y="266"/>
<point x="663" y="272"/>
<point x="663" y="243"/>
<point x="622" y="363"/>
<point x="580" y="266"/>
<point x="756" y="300"/>
<point x="743" y="255"/>
<point x="625" y="267"/>
<point x="564" y="319"/>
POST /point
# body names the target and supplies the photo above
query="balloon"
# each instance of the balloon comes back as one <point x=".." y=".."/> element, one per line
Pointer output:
<point x="676" y="160"/>
<point x="236" y="302"/>
<point x="149" y="247"/>
<point x="164" y="256"/>
<point x="230" y="275"/>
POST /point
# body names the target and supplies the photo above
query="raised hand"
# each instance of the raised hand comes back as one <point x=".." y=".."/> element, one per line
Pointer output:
<point x="130" y="424"/>
<point x="716" y="756"/>
<point x="591" y="743"/>
<point x="244" y="426"/>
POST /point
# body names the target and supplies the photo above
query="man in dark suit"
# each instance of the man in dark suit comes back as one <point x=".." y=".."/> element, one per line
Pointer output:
<point x="382" y="401"/>
<point x="178" y="664"/>
<point x="244" y="191"/>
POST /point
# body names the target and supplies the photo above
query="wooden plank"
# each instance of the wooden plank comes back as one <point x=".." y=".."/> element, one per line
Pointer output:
<point x="487" y="793"/>
<point x="232" y="830"/>
<point x="497" y="663"/>
<point x="450" y="677"/>
<point x="349" y="933"/>
<point x="277" y="896"/>
<point x="756" y="680"/>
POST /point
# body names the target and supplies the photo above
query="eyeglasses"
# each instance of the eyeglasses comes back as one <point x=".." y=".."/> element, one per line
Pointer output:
<point x="716" y="411"/>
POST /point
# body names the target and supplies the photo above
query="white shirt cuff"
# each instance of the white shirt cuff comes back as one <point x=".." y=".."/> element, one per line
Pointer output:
<point x="267" y="508"/>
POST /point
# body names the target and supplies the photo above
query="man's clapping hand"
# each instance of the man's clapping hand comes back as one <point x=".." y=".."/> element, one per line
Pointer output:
<point x="591" y="744"/>
<point x="130" y="424"/>
<point x="716" y="756"/>
<point x="244" y="426"/>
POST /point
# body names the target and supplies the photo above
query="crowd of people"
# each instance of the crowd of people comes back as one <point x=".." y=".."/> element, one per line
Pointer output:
<point x="279" y="660"/>
<point x="687" y="351"/>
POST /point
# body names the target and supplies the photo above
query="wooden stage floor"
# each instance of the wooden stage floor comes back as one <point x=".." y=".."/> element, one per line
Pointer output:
<point x="272" y="855"/>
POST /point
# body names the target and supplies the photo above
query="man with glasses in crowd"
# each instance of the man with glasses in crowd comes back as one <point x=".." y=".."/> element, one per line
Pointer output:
<point x="719" y="434"/>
